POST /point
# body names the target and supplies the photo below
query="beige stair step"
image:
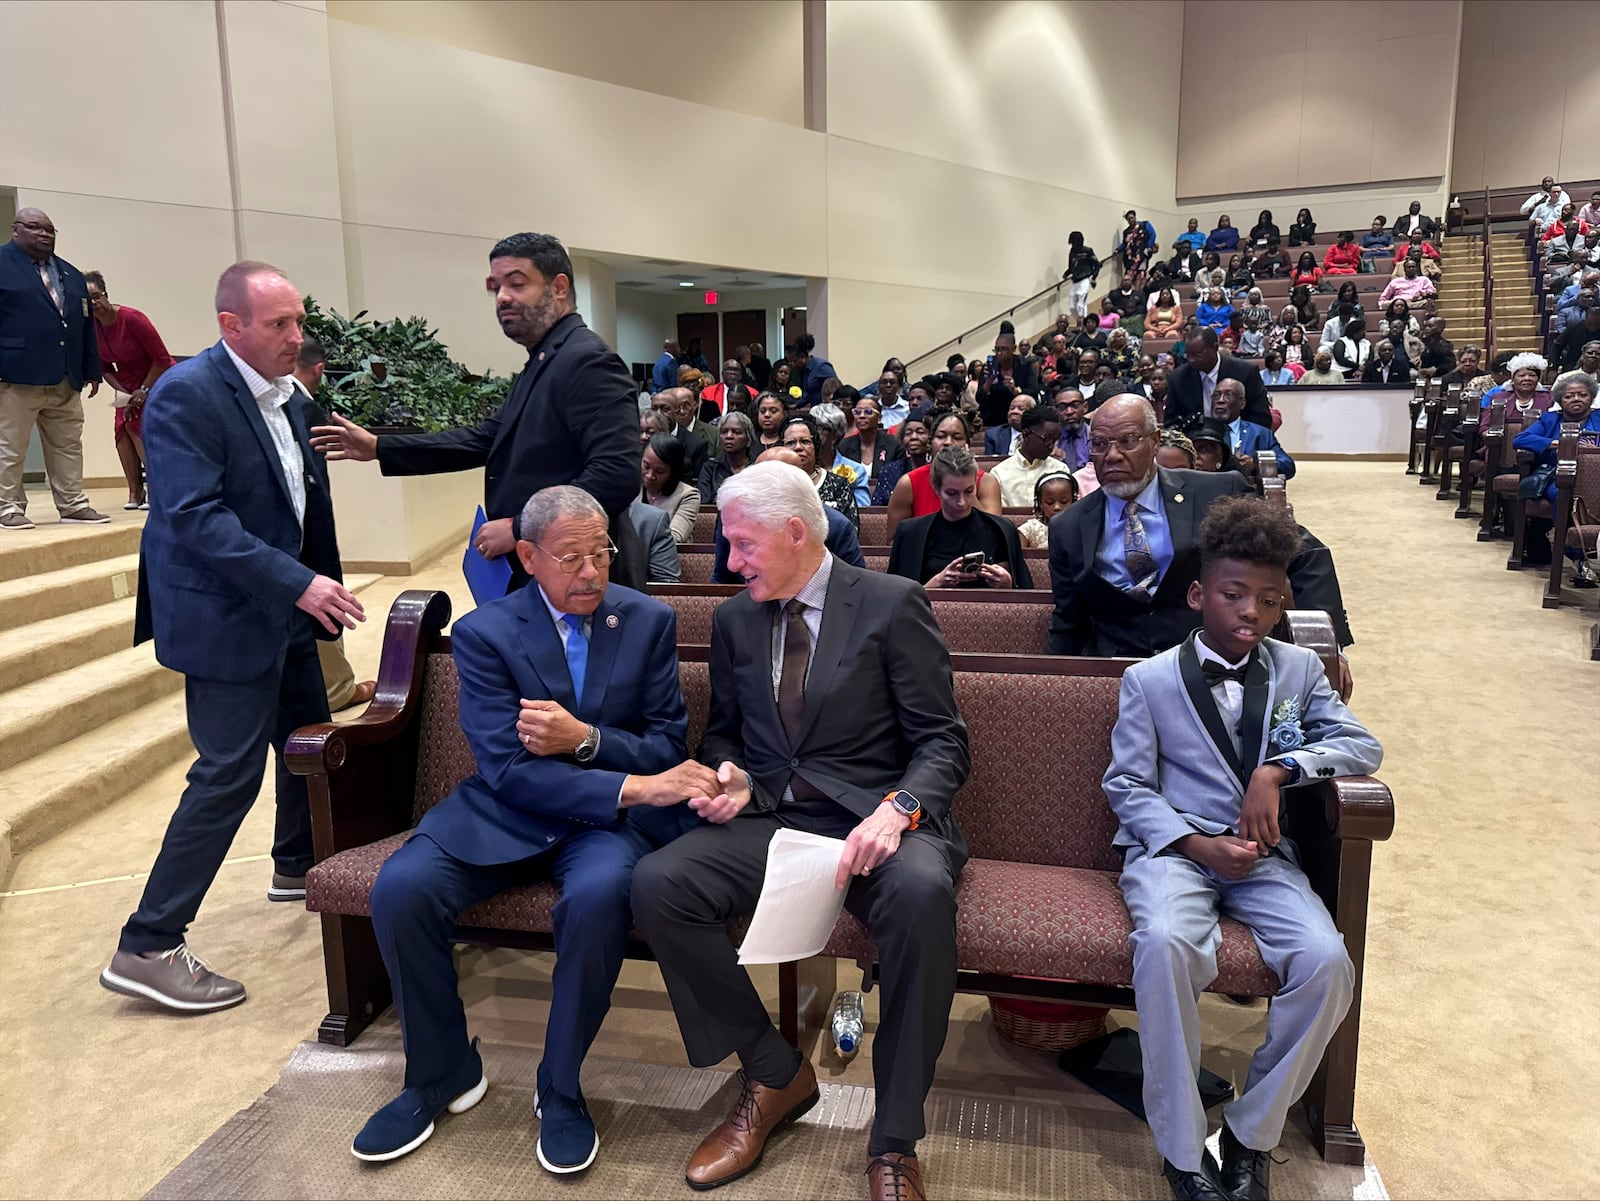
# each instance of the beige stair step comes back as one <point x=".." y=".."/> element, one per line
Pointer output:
<point x="42" y="648"/>
<point x="49" y="547"/>
<point x="69" y="782"/>
<point x="52" y="593"/>
<point x="62" y="706"/>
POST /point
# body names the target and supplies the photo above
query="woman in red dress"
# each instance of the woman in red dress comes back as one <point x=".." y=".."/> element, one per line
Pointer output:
<point x="132" y="358"/>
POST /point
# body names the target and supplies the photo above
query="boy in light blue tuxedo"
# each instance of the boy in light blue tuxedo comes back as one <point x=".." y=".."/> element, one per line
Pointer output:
<point x="1206" y="736"/>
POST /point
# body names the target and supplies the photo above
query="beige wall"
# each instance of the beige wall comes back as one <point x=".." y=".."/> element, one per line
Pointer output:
<point x="1299" y="94"/>
<point x="1535" y="107"/>
<point x="746" y="58"/>
<point x="958" y="163"/>
<point x="1333" y="209"/>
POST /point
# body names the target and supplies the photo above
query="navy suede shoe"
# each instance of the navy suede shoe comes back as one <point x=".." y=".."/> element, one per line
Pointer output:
<point x="404" y="1124"/>
<point x="567" y="1138"/>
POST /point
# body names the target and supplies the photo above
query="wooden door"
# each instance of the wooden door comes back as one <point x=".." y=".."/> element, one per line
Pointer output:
<point x="741" y="327"/>
<point x="703" y="325"/>
<point x="794" y="324"/>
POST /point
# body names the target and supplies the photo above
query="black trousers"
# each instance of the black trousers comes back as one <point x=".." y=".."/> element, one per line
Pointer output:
<point x="685" y="894"/>
<point x="232" y="726"/>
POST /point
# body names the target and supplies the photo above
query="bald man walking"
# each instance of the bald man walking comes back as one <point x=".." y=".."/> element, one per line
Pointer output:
<point x="48" y="351"/>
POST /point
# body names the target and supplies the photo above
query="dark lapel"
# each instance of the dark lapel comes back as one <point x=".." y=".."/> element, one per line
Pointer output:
<point x="1090" y="526"/>
<point x="1252" y="724"/>
<point x="538" y="360"/>
<point x="761" y="615"/>
<point x="917" y="545"/>
<point x="605" y="637"/>
<point x="223" y="362"/>
<point x="1205" y="707"/>
<point x="1183" y="514"/>
<point x="543" y="644"/>
<point x="838" y="616"/>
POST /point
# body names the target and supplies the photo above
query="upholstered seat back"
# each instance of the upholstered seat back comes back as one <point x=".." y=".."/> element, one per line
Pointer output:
<point x="1040" y="745"/>
<point x="443" y="757"/>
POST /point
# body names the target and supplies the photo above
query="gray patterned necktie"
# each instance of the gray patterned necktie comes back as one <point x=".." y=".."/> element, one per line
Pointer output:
<point x="1142" y="566"/>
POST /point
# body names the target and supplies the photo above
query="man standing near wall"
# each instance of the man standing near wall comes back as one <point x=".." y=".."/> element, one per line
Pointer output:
<point x="572" y="416"/>
<point x="48" y="351"/>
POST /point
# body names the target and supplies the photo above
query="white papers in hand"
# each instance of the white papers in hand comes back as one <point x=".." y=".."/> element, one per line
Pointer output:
<point x="799" y="904"/>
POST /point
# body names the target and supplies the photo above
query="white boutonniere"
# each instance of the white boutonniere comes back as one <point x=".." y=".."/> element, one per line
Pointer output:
<point x="1285" y="733"/>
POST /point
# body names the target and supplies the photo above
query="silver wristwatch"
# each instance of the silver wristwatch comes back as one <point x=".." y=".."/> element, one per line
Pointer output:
<point x="586" y="749"/>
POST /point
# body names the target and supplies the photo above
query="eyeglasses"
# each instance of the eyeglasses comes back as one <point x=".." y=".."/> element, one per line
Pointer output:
<point x="797" y="443"/>
<point x="1127" y="444"/>
<point x="864" y="411"/>
<point x="572" y="564"/>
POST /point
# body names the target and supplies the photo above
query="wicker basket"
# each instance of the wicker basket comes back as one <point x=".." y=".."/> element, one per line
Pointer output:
<point x="1046" y="1025"/>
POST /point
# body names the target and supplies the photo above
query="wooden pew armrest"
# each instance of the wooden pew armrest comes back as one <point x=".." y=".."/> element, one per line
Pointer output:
<point x="370" y="764"/>
<point x="1353" y="807"/>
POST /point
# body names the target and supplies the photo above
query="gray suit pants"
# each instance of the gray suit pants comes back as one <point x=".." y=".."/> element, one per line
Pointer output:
<point x="1175" y="905"/>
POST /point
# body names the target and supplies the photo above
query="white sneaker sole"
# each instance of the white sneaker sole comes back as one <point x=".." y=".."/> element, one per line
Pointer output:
<point x="132" y="988"/>
<point x="101" y="520"/>
<point x="460" y="1105"/>
<point x="563" y="1171"/>
<point x="286" y="894"/>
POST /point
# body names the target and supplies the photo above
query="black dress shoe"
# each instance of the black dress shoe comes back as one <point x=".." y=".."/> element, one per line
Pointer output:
<point x="1204" y="1185"/>
<point x="1245" y="1172"/>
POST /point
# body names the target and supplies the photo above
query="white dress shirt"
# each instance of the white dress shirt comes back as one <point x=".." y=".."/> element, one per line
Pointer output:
<point x="1208" y="384"/>
<point x="1229" y="694"/>
<point x="271" y="396"/>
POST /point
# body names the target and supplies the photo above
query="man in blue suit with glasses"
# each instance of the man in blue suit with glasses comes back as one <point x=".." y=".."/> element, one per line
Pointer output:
<point x="571" y="704"/>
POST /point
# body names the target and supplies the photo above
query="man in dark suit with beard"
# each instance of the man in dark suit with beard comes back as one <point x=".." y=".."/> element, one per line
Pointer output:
<point x="572" y="416"/>
<point x="1122" y="559"/>
<point x="832" y="712"/>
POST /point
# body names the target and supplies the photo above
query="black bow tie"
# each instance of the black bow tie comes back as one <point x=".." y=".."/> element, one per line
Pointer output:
<point x="1215" y="672"/>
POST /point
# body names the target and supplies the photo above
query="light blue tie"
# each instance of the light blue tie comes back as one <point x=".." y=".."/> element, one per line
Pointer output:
<point x="577" y="653"/>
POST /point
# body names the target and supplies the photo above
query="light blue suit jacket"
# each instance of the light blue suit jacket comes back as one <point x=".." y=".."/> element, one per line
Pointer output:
<point x="518" y="804"/>
<point x="1173" y="768"/>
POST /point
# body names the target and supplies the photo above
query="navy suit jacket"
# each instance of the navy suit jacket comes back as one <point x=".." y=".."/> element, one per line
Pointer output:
<point x="997" y="440"/>
<point x="38" y="344"/>
<point x="222" y="558"/>
<point x="518" y="804"/>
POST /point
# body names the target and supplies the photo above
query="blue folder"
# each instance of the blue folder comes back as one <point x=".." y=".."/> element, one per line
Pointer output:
<point x="486" y="578"/>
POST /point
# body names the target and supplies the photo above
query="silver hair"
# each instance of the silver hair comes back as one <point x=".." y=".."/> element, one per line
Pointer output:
<point x="656" y="420"/>
<point x="1582" y="378"/>
<point x="740" y="421"/>
<point x="831" y="418"/>
<point x="549" y="505"/>
<point x="772" y="492"/>
<point x="952" y="460"/>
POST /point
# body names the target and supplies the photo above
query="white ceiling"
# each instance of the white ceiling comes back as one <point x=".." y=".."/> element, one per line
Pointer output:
<point x="663" y="276"/>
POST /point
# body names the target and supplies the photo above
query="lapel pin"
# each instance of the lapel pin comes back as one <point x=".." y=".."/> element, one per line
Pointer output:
<point x="611" y="622"/>
<point x="541" y="356"/>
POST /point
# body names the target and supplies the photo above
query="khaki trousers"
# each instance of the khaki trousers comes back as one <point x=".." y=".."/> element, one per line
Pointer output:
<point x="57" y="409"/>
<point x="337" y="675"/>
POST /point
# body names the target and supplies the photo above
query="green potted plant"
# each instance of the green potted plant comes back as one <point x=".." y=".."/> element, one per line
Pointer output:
<point x="396" y="376"/>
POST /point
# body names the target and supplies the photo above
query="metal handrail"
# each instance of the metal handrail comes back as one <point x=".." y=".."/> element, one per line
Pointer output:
<point x="1007" y="312"/>
<point x="1488" y="283"/>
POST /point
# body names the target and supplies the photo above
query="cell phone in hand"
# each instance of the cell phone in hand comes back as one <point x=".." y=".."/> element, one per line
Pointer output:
<point x="970" y="563"/>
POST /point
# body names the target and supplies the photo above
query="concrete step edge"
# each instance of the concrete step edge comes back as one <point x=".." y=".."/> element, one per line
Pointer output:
<point x="24" y="554"/>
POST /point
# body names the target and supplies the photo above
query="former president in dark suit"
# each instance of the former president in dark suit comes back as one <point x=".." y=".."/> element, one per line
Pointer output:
<point x="239" y="572"/>
<point x="832" y="711"/>
<point x="1192" y="382"/>
<point x="1122" y="559"/>
<point x="572" y="416"/>
<point x="571" y="704"/>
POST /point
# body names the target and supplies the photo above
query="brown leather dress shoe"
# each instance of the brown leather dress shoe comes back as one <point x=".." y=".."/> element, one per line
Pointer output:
<point x="895" y="1177"/>
<point x="363" y="693"/>
<point x="735" y="1147"/>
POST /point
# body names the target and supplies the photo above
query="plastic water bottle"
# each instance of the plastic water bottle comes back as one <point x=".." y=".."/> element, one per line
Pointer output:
<point x="848" y="1024"/>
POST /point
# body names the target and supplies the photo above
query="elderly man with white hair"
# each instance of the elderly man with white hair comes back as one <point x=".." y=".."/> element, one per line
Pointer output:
<point x="833" y="713"/>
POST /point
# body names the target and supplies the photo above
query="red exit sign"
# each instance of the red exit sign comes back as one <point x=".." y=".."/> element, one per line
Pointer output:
<point x="711" y="298"/>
